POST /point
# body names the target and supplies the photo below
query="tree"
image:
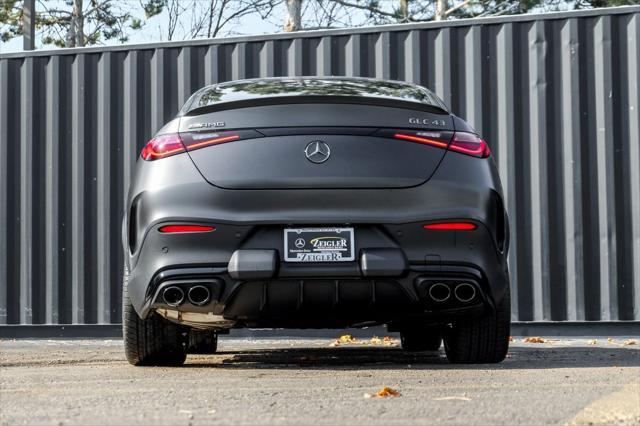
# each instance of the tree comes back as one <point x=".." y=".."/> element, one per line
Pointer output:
<point x="189" y="19"/>
<point x="220" y="14"/>
<point x="293" y="19"/>
<point x="71" y="23"/>
<point x="375" y="12"/>
<point x="10" y="19"/>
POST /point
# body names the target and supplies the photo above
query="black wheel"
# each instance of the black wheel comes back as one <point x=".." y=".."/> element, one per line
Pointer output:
<point x="151" y="341"/>
<point x="421" y="339"/>
<point x="483" y="339"/>
<point x="202" y="342"/>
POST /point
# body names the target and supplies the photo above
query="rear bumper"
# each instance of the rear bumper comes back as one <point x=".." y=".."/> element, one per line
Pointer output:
<point x="327" y="302"/>
<point x="389" y="282"/>
<point x="317" y="296"/>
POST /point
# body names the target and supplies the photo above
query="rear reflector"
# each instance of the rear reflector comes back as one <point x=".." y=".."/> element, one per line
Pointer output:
<point x="176" y="229"/>
<point x="451" y="226"/>
<point x="162" y="146"/>
<point x="462" y="142"/>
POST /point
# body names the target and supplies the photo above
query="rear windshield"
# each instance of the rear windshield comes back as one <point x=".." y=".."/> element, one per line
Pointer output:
<point x="275" y="88"/>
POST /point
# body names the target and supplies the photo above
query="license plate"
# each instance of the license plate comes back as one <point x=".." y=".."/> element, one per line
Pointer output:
<point x="319" y="245"/>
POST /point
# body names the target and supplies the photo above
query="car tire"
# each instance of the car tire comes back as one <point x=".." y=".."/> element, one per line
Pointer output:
<point x="482" y="339"/>
<point x="425" y="339"/>
<point x="202" y="342"/>
<point x="151" y="341"/>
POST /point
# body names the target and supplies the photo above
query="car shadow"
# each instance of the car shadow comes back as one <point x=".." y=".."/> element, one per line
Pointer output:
<point x="345" y="358"/>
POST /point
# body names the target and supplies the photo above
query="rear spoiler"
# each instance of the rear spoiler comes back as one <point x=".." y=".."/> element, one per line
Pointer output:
<point x="314" y="99"/>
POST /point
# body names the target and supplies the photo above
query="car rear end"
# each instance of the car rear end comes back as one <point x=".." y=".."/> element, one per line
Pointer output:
<point x="316" y="211"/>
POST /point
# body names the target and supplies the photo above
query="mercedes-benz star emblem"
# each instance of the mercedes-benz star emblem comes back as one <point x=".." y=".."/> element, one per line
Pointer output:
<point x="317" y="152"/>
<point x="300" y="243"/>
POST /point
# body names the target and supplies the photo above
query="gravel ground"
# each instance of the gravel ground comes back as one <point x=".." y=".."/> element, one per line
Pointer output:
<point x="280" y="381"/>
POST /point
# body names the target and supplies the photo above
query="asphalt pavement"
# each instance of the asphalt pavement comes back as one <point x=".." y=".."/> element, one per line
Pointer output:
<point x="320" y="382"/>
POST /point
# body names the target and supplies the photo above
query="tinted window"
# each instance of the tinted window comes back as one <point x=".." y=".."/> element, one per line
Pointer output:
<point x="280" y="87"/>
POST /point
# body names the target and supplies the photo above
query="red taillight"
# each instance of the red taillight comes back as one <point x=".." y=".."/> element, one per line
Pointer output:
<point x="451" y="226"/>
<point x="175" y="229"/>
<point x="470" y="144"/>
<point x="212" y="139"/>
<point x="462" y="142"/>
<point x="421" y="139"/>
<point x="166" y="145"/>
<point x="162" y="146"/>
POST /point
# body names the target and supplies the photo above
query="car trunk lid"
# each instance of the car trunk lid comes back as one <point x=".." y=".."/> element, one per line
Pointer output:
<point x="314" y="146"/>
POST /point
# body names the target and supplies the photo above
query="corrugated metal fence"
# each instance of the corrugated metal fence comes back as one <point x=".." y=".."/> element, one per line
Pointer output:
<point x="557" y="97"/>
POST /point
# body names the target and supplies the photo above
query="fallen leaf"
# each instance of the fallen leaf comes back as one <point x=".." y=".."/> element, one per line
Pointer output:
<point x="534" y="340"/>
<point x="376" y="340"/>
<point x="593" y="342"/>
<point x="347" y="338"/>
<point x="344" y="339"/>
<point x="386" y="392"/>
<point x="630" y="342"/>
<point x="452" y="398"/>
<point x="389" y="341"/>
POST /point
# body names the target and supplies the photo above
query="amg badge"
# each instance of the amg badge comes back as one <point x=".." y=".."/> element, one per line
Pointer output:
<point x="197" y="126"/>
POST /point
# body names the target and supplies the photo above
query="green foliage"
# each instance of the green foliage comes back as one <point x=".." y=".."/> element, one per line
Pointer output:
<point x="153" y="7"/>
<point x="136" y="24"/>
<point x="62" y="25"/>
<point x="10" y="19"/>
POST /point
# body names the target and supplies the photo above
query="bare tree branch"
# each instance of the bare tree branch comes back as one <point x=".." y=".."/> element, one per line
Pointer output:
<point x="367" y="7"/>
<point x="459" y="6"/>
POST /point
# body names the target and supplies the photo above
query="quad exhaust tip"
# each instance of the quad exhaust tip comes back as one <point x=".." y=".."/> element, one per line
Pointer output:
<point x="439" y="292"/>
<point x="199" y="295"/>
<point x="173" y="296"/>
<point x="465" y="292"/>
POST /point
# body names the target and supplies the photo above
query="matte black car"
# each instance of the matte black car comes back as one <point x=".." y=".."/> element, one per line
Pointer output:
<point x="315" y="203"/>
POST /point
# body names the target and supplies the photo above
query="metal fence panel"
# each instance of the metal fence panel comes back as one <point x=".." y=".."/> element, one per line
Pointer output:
<point x="556" y="95"/>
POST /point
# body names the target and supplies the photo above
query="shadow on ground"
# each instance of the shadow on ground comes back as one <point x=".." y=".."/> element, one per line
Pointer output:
<point x="384" y="358"/>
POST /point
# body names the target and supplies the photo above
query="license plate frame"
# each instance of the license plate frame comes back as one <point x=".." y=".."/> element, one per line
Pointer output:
<point x="319" y="245"/>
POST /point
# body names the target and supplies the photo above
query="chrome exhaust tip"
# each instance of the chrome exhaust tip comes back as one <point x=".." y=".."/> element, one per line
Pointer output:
<point x="465" y="292"/>
<point x="173" y="296"/>
<point x="439" y="292"/>
<point x="199" y="295"/>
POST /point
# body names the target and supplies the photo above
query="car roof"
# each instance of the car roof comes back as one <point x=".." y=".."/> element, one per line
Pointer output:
<point x="286" y="87"/>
